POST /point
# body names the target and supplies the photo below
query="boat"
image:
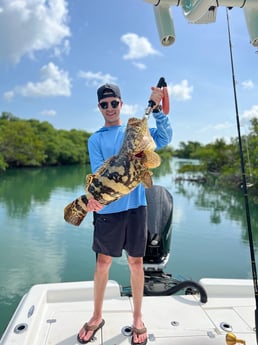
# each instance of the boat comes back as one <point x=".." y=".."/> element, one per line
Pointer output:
<point x="208" y="312"/>
<point x="54" y="313"/>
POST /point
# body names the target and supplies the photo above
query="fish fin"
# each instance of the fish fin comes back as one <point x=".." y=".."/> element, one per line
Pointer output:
<point x="147" y="179"/>
<point x="146" y="144"/>
<point x="75" y="212"/>
<point x="89" y="178"/>
<point x="151" y="160"/>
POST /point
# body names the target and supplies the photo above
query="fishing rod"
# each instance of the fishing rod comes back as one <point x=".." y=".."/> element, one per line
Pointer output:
<point x="247" y="209"/>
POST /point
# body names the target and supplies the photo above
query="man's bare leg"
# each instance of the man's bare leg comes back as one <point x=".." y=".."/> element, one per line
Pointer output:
<point x="100" y="282"/>
<point x="137" y="284"/>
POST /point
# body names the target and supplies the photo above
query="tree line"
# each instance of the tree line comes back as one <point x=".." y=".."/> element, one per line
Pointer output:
<point x="31" y="143"/>
<point x="222" y="159"/>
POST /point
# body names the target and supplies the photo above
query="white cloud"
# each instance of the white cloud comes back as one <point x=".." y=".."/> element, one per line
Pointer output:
<point x="96" y="79"/>
<point x="180" y="92"/>
<point x="224" y="125"/>
<point x="213" y="132"/>
<point x="48" y="112"/>
<point x="8" y="96"/>
<point x="30" y="26"/>
<point x="249" y="114"/>
<point x="63" y="49"/>
<point x="54" y="82"/>
<point x="247" y="84"/>
<point x="139" y="47"/>
<point x="139" y="65"/>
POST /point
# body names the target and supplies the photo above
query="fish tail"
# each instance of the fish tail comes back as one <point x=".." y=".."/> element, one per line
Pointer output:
<point x="76" y="211"/>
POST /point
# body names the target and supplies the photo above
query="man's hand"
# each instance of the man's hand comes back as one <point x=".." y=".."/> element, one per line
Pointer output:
<point x="94" y="205"/>
<point x="156" y="95"/>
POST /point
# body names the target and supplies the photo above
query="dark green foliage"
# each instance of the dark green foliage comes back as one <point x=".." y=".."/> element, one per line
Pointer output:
<point x="33" y="143"/>
<point x="166" y="153"/>
<point x="187" y="150"/>
<point x="223" y="160"/>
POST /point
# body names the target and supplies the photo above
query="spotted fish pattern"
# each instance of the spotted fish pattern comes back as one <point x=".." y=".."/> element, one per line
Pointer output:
<point x="120" y="174"/>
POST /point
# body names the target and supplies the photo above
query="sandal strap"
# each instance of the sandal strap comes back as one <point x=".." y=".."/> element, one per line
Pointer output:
<point x="139" y="331"/>
<point x="92" y="328"/>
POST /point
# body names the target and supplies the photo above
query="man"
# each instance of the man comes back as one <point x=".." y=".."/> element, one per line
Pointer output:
<point x="123" y="223"/>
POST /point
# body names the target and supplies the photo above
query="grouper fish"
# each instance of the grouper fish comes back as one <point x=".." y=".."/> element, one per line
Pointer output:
<point x="120" y="174"/>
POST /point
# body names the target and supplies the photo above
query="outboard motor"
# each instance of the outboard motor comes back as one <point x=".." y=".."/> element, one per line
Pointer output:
<point x="156" y="281"/>
<point x="159" y="211"/>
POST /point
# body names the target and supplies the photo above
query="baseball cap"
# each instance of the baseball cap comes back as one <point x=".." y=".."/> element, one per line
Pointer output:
<point x="108" y="90"/>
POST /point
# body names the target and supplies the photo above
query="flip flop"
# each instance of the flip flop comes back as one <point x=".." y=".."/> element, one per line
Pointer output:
<point x="88" y="328"/>
<point x="139" y="331"/>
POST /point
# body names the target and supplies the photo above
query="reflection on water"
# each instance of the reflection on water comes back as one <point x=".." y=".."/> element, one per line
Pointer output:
<point x="221" y="204"/>
<point x="37" y="246"/>
<point x="21" y="188"/>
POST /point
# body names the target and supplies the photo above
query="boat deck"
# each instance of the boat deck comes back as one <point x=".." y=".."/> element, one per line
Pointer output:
<point x="52" y="314"/>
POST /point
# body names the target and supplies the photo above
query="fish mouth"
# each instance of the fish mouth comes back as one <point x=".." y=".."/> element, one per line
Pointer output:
<point x="133" y="121"/>
<point x="139" y="154"/>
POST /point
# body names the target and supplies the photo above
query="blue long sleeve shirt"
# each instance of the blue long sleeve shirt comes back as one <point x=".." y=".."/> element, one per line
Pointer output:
<point x="107" y="141"/>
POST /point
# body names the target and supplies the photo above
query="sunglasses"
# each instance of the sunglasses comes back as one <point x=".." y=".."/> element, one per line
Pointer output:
<point x="114" y="104"/>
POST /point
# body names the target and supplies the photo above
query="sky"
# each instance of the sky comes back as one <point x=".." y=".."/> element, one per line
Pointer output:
<point x="54" y="54"/>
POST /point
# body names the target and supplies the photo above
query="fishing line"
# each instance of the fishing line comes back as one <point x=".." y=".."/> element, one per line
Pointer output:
<point x="244" y="184"/>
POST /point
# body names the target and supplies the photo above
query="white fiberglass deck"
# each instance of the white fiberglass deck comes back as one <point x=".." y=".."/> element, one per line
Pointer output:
<point x="61" y="309"/>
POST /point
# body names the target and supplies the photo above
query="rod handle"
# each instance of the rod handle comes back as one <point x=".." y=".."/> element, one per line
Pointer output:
<point x="151" y="103"/>
<point x="161" y="83"/>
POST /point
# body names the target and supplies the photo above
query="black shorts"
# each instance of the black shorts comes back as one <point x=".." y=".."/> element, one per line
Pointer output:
<point x="123" y="230"/>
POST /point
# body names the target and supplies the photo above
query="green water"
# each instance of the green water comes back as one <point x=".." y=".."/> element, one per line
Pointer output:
<point x="37" y="246"/>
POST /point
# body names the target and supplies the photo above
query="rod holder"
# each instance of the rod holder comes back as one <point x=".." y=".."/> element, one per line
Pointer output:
<point x="165" y="25"/>
<point x="231" y="339"/>
<point x="251" y="17"/>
